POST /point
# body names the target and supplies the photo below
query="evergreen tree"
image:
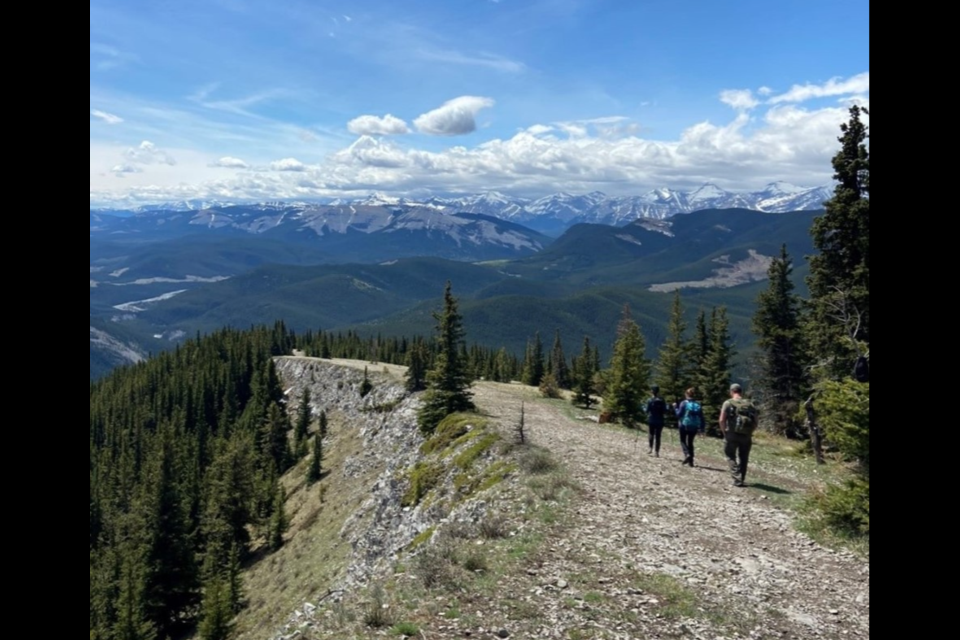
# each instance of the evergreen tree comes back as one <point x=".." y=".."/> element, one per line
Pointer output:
<point x="533" y="366"/>
<point x="838" y="323"/>
<point x="583" y="373"/>
<point x="218" y="613"/>
<point x="674" y="370"/>
<point x="715" y="381"/>
<point x="629" y="373"/>
<point x="273" y="439"/>
<point x="278" y="520"/>
<point x="366" y="386"/>
<point x="449" y="381"/>
<point x="418" y="359"/>
<point x="316" y="461"/>
<point x="558" y="368"/>
<point x="323" y="423"/>
<point x="777" y="326"/>
<point x="302" y="424"/>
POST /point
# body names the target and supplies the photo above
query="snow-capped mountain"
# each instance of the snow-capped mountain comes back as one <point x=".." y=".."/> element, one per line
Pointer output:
<point x="550" y="214"/>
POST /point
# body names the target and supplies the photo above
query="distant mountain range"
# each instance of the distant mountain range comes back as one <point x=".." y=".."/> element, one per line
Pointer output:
<point x="550" y="215"/>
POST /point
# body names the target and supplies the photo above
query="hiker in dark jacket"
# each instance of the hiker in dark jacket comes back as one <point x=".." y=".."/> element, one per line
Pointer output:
<point x="655" y="410"/>
<point x="690" y="421"/>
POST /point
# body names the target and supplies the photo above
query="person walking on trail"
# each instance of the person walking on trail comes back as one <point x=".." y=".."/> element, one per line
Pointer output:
<point x="655" y="410"/>
<point x="690" y="422"/>
<point x="738" y="420"/>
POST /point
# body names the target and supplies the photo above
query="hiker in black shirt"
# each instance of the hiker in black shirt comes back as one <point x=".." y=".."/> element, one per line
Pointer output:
<point x="655" y="409"/>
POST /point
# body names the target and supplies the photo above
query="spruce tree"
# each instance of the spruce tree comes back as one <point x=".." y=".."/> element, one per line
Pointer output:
<point x="533" y="366"/>
<point x="449" y="381"/>
<point x="323" y="424"/>
<point x="715" y="382"/>
<point x="629" y="373"/>
<point x="366" y="386"/>
<point x="674" y="370"/>
<point x="418" y="359"/>
<point x="273" y="437"/>
<point x="316" y="461"/>
<point x="302" y="424"/>
<point x="777" y="326"/>
<point x="559" y="368"/>
<point x="838" y="322"/>
<point x="583" y="373"/>
<point x="278" y="520"/>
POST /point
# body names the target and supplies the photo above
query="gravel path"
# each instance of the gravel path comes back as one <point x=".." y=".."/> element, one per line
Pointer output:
<point x="684" y="531"/>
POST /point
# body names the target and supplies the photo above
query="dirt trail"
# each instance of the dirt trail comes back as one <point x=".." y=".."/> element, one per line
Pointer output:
<point x="753" y="574"/>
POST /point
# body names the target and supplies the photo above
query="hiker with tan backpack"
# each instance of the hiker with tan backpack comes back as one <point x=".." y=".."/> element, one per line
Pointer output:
<point x="738" y="420"/>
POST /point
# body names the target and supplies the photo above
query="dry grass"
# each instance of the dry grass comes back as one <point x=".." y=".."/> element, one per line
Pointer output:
<point x="313" y="554"/>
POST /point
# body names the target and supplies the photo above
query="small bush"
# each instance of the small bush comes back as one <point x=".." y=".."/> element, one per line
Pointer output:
<point x="845" y="508"/>
<point x="435" y="566"/>
<point x="475" y="563"/>
<point x="377" y="615"/>
<point x="537" y="461"/>
<point x="549" y="387"/>
<point x="492" y="527"/>
<point x="405" y="629"/>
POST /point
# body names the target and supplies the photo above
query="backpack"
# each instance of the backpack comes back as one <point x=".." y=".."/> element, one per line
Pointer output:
<point x="861" y="370"/>
<point x="658" y="406"/>
<point x="744" y="415"/>
<point x="692" y="416"/>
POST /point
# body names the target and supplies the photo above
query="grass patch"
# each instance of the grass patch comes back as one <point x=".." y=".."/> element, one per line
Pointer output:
<point x="676" y="599"/>
<point x="405" y="629"/>
<point x="450" y="429"/>
<point x="424" y="476"/>
<point x="537" y="461"/>
<point x="593" y="597"/>
<point x="466" y="458"/>
<point x="422" y="537"/>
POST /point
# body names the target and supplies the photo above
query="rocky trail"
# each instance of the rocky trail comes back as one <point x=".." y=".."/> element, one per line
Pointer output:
<point x="649" y="548"/>
<point x="728" y="558"/>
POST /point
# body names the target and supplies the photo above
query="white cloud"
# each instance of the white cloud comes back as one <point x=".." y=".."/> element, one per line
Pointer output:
<point x="120" y="169"/>
<point x="455" y="117"/>
<point x="372" y="125"/>
<point x="288" y="164"/>
<point x="764" y="91"/>
<point x="788" y="142"/>
<point x="739" y="99"/>
<point x="148" y="153"/>
<point x="858" y="84"/>
<point x="489" y="60"/>
<point x="228" y="162"/>
<point x="109" y="118"/>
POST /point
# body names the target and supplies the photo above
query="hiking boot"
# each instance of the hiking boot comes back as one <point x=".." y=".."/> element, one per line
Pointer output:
<point x="739" y="483"/>
<point x="656" y="455"/>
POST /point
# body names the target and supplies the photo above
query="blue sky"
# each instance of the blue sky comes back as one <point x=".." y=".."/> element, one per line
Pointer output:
<point x="255" y="100"/>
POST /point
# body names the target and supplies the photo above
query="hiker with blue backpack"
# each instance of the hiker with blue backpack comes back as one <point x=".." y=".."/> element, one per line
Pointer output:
<point x="690" y="422"/>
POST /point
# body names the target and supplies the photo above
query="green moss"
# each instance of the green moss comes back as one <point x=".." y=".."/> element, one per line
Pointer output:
<point x="451" y="429"/>
<point x="422" y="537"/>
<point x="466" y="458"/>
<point x="424" y="476"/>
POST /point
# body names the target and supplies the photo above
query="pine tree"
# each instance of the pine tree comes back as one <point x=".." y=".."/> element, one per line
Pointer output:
<point x="715" y="382"/>
<point x="533" y="366"/>
<point x="559" y="369"/>
<point x="449" y="381"/>
<point x="323" y="423"/>
<point x="418" y="359"/>
<point x="583" y="373"/>
<point x="777" y="326"/>
<point x="838" y="323"/>
<point x="629" y="373"/>
<point x="302" y="424"/>
<point x="316" y="461"/>
<point x="674" y="371"/>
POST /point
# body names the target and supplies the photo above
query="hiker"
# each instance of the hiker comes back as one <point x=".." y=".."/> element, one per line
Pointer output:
<point x="655" y="409"/>
<point x="738" y="419"/>
<point x="690" y="421"/>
